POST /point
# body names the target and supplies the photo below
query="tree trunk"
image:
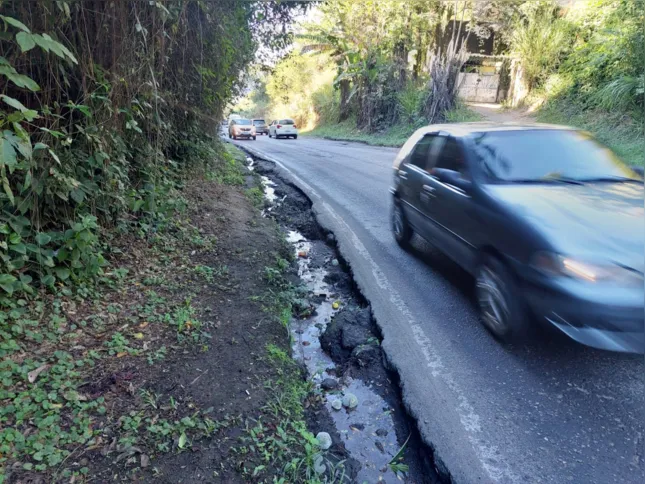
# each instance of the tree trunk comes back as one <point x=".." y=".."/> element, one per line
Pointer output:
<point x="344" y="100"/>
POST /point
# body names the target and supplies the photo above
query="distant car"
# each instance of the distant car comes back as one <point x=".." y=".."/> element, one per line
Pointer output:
<point x="233" y="117"/>
<point x="283" y="128"/>
<point x="548" y="221"/>
<point x="260" y="126"/>
<point x="241" y="128"/>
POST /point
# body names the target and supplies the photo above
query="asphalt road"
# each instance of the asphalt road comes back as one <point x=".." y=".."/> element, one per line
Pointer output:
<point x="552" y="412"/>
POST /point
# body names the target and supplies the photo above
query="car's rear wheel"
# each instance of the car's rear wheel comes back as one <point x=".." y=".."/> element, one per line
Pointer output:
<point x="501" y="306"/>
<point x="400" y="226"/>
<point x="254" y="138"/>
<point x="295" y="137"/>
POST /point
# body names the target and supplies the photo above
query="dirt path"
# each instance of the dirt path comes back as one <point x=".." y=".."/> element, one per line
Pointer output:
<point x="496" y="113"/>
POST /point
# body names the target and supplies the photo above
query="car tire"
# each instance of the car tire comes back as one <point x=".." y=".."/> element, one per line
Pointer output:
<point x="400" y="226"/>
<point x="234" y="137"/>
<point x="295" y="137"/>
<point x="502" y="309"/>
<point x="254" y="138"/>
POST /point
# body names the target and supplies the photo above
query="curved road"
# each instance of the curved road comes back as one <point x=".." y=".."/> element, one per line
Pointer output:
<point x="552" y="412"/>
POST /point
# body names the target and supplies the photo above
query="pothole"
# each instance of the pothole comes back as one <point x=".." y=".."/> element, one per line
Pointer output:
<point x="339" y="345"/>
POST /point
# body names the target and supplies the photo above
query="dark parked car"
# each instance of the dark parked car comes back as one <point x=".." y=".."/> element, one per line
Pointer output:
<point x="548" y="221"/>
<point x="261" y="126"/>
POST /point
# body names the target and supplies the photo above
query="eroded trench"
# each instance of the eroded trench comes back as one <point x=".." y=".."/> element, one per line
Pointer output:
<point x="338" y="343"/>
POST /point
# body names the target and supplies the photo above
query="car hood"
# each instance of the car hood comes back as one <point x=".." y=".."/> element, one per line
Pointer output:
<point x="597" y="220"/>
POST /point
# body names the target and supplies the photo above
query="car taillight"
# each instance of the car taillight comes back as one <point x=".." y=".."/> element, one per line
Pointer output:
<point x="295" y="127"/>
<point x="279" y="126"/>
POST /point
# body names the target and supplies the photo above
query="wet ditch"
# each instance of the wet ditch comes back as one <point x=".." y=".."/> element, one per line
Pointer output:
<point x="338" y="343"/>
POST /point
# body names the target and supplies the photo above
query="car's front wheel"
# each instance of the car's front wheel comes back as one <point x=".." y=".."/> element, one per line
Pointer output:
<point x="400" y="226"/>
<point x="501" y="306"/>
<point x="254" y="138"/>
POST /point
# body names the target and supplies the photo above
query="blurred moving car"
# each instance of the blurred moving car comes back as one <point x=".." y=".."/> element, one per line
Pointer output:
<point x="283" y="128"/>
<point x="548" y="221"/>
<point x="241" y="128"/>
<point x="260" y="126"/>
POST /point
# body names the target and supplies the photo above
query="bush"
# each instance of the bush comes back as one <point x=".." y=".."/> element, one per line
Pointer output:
<point x="539" y="40"/>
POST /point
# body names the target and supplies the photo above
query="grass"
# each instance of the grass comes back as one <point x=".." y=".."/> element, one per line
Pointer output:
<point x="57" y="346"/>
<point x="279" y="442"/>
<point x="394" y="136"/>
<point x="623" y="133"/>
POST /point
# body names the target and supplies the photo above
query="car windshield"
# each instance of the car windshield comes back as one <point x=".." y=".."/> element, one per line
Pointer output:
<point x="258" y="122"/>
<point x="286" y="121"/>
<point x="546" y="155"/>
<point x="243" y="121"/>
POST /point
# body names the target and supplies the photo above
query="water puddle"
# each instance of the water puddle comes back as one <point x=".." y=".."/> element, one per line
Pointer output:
<point x="366" y="431"/>
<point x="269" y="189"/>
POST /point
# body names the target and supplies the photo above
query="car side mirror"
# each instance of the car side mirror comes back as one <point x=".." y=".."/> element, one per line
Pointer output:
<point x="453" y="178"/>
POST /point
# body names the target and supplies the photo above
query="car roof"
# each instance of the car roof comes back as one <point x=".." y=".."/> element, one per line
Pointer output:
<point x="465" y="129"/>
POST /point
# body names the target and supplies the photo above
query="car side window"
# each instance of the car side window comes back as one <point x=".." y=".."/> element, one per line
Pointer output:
<point x="419" y="155"/>
<point x="451" y="156"/>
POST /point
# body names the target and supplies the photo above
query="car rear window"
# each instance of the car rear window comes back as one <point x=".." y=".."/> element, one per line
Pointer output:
<point x="259" y="121"/>
<point x="243" y="121"/>
<point x="541" y="154"/>
<point x="286" y="121"/>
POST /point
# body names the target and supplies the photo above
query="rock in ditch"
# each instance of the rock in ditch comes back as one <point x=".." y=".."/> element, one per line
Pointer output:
<point x="354" y="335"/>
<point x="367" y="355"/>
<point x="381" y="432"/>
<point x="324" y="440"/>
<point x="348" y="329"/>
<point x="329" y="384"/>
<point x="350" y="401"/>
<point x="337" y="404"/>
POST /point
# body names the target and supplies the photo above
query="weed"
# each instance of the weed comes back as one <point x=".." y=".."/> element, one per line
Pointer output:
<point x="206" y="272"/>
<point x="277" y="355"/>
<point x="396" y="464"/>
<point x="158" y="355"/>
<point x="256" y="195"/>
<point x="230" y="168"/>
<point x="149" y="398"/>
<point x="119" y="345"/>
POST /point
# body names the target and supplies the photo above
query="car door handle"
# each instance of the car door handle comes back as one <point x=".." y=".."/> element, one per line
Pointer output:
<point x="428" y="189"/>
<point x="403" y="175"/>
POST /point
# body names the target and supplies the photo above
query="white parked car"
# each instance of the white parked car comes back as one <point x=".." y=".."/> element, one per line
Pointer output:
<point x="283" y="128"/>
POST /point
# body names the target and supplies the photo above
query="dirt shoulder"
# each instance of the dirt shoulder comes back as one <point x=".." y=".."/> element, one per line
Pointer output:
<point x="498" y="114"/>
<point x="175" y="368"/>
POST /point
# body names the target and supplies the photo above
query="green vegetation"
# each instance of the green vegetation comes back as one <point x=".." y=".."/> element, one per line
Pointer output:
<point x="281" y="438"/>
<point x="375" y="71"/>
<point x="106" y="112"/>
<point x="393" y="136"/>
<point x="590" y="72"/>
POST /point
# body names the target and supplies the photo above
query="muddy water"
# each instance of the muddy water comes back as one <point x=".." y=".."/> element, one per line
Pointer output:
<point x="367" y="431"/>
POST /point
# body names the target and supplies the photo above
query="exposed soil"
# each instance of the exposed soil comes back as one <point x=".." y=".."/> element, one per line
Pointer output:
<point x="498" y="114"/>
<point x="227" y="374"/>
